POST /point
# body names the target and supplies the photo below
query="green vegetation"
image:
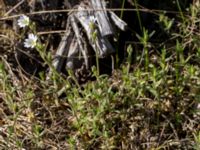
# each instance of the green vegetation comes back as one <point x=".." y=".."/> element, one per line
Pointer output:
<point x="150" y="102"/>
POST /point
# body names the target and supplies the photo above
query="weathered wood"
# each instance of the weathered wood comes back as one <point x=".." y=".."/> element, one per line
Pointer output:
<point x="62" y="50"/>
<point x="98" y="26"/>
<point x="100" y="44"/>
<point x="105" y="26"/>
<point x="78" y="36"/>
<point x="117" y="21"/>
<point x="74" y="60"/>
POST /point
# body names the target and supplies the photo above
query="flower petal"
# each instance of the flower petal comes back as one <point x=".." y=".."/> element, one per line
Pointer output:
<point x="23" y="21"/>
<point x="31" y="41"/>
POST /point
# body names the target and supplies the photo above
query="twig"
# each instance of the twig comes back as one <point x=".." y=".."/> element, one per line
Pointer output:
<point x="154" y="11"/>
<point x="14" y="7"/>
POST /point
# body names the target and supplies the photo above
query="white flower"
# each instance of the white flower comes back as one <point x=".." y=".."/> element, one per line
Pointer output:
<point x="92" y="19"/>
<point x="92" y="23"/>
<point x="23" y="21"/>
<point x="31" y="41"/>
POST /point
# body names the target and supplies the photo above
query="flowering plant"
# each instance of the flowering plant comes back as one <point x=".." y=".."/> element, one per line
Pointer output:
<point x="23" y="21"/>
<point x="31" y="41"/>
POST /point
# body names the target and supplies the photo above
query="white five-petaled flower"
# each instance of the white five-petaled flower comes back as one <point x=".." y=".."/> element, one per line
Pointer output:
<point x="31" y="41"/>
<point x="23" y="21"/>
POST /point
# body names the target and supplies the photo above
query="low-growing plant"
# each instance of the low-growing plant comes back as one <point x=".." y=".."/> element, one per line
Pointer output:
<point x="148" y="103"/>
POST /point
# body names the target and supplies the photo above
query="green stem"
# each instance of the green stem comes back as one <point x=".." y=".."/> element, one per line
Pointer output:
<point x="138" y="14"/>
